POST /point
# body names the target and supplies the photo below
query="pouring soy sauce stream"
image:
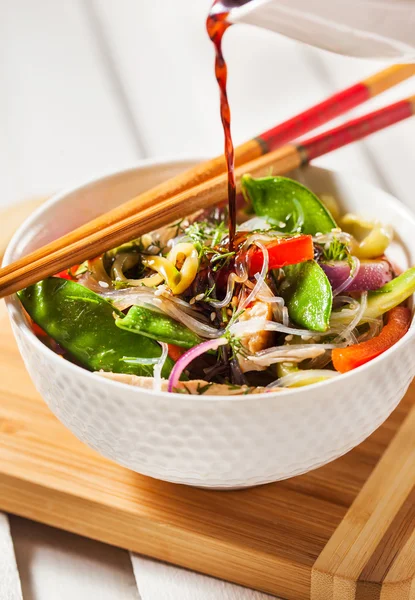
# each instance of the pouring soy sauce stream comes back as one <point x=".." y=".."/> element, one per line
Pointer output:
<point x="216" y="26"/>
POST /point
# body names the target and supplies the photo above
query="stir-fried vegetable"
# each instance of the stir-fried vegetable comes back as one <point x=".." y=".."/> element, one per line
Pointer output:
<point x="308" y="295"/>
<point x="287" y="204"/>
<point x="282" y="252"/>
<point x="370" y="275"/>
<point x="346" y="359"/>
<point x="294" y="301"/>
<point x="82" y="322"/>
<point x="370" y="238"/>
<point x="157" y="326"/>
<point x="390" y="295"/>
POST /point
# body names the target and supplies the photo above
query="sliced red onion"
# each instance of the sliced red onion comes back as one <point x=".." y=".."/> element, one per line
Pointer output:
<point x="347" y="283"/>
<point x="189" y="356"/>
<point x="371" y="275"/>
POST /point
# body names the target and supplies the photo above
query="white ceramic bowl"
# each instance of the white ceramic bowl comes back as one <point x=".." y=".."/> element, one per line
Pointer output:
<point x="217" y="442"/>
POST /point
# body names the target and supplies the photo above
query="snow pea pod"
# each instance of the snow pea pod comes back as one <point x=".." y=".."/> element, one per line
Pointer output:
<point x="287" y="204"/>
<point x="83" y="323"/>
<point x="308" y="295"/>
<point x="157" y="326"/>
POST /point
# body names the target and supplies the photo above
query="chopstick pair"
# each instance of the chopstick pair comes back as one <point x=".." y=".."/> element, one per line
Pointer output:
<point x="205" y="185"/>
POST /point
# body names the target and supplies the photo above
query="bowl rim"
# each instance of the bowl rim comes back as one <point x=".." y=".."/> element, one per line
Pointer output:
<point x="16" y="314"/>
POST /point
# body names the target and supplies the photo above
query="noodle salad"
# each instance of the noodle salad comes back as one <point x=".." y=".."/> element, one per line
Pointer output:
<point x="304" y="294"/>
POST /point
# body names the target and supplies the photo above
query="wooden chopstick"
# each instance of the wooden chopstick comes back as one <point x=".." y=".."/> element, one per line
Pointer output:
<point x="268" y="141"/>
<point x="56" y="256"/>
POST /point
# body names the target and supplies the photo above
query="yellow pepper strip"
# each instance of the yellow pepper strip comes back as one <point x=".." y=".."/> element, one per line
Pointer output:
<point x="164" y="268"/>
<point x="177" y="279"/>
<point x="372" y="236"/>
<point x="189" y="267"/>
<point x="150" y="281"/>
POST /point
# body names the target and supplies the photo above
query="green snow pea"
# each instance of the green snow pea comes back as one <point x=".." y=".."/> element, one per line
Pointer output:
<point x="83" y="323"/>
<point x="283" y="200"/>
<point x="158" y="326"/>
<point x="308" y="295"/>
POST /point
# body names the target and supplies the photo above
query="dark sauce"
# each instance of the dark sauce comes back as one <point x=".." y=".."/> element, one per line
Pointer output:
<point x="216" y="25"/>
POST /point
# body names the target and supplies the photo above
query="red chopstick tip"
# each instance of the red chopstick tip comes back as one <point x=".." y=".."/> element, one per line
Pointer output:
<point x="314" y="117"/>
<point x="355" y="129"/>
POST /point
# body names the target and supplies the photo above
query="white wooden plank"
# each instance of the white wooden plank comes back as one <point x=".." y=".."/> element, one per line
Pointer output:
<point x="10" y="588"/>
<point x="59" y="115"/>
<point x="158" y="581"/>
<point x="55" y="565"/>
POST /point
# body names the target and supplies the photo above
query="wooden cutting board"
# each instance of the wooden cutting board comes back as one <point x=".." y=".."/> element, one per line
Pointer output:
<point x="345" y="531"/>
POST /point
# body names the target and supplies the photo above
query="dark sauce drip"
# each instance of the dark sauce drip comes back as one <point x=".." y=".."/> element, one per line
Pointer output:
<point x="216" y="25"/>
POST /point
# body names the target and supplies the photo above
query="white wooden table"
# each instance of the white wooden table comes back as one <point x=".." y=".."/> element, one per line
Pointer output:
<point x="93" y="85"/>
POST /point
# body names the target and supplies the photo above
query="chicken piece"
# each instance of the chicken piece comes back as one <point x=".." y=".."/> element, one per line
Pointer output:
<point x="255" y="342"/>
<point x="197" y="387"/>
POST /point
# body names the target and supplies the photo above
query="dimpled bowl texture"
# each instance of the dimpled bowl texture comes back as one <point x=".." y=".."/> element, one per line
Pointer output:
<point x="217" y="442"/>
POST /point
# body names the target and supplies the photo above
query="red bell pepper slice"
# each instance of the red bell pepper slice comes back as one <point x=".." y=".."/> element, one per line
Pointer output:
<point x="175" y="352"/>
<point x="282" y="252"/>
<point x="346" y="359"/>
<point x="67" y="273"/>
